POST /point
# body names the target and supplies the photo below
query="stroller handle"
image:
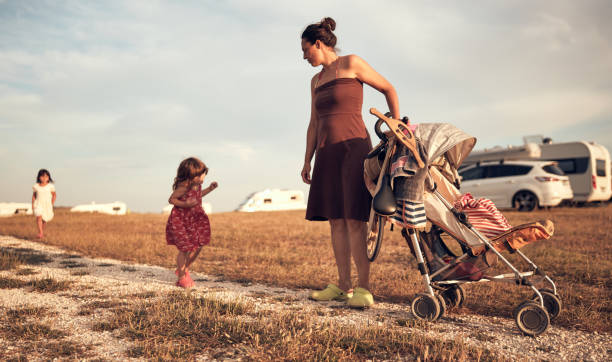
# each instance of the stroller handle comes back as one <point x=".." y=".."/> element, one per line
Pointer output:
<point x="401" y="132"/>
<point x="377" y="129"/>
<point x="381" y="121"/>
<point x="383" y="137"/>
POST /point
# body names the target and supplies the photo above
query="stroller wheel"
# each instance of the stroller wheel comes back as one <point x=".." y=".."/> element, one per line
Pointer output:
<point x="453" y="296"/>
<point x="425" y="307"/>
<point x="375" y="240"/>
<point x="462" y="294"/>
<point x="531" y="318"/>
<point x="552" y="302"/>
<point x="443" y="305"/>
<point x="518" y="307"/>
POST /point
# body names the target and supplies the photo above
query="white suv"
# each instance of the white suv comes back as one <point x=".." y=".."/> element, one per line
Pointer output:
<point x="523" y="185"/>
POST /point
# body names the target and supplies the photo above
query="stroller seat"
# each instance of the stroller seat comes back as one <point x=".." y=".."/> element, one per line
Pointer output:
<point x="439" y="214"/>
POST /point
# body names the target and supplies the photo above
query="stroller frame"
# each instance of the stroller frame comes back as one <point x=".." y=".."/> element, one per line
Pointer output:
<point x="532" y="316"/>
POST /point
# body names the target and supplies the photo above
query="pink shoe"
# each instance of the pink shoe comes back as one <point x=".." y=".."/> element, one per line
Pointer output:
<point x="185" y="283"/>
<point x="191" y="282"/>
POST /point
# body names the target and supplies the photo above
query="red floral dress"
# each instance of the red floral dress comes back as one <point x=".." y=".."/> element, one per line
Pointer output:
<point x="188" y="228"/>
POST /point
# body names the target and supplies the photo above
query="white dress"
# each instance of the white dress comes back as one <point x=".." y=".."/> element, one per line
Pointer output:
<point x="43" y="205"/>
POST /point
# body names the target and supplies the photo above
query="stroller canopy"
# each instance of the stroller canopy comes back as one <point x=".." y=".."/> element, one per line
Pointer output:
<point x="444" y="138"/>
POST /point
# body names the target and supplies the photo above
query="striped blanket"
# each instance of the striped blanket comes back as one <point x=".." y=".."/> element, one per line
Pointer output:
<point x="483" y="215"/>
<point x="409" y="214"/>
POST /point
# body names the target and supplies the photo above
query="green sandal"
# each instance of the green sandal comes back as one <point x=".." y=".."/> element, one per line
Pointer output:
<point x="332" y="292"/>
<point x="361" y="298"/>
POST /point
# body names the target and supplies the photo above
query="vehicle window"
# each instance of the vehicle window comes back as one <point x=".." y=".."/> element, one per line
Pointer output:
<point x="472" y="174"/>
<point x="600" y="166"/>
<point x="507" y="170"/>
<point x="554" y="169"/>
<point x="573" y="165"/>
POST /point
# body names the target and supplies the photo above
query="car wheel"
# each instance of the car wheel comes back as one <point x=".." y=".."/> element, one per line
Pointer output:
<point x="525" y="201"/>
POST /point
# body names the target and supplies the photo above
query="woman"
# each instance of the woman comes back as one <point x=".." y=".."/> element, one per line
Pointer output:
<point x="338" y="135"/>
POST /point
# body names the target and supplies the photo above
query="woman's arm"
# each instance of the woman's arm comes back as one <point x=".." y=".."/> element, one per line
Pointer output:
<point x="180" y="191"/>
<point x="365" y="73"/>
<point x="311" y="135"/>
<point x="33" y="199"/>
<point x="213" y="185"/>
<point x="53" y="197"/>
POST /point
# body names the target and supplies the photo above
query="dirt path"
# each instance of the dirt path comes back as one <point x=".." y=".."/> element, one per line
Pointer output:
<point x="108" y="282"/>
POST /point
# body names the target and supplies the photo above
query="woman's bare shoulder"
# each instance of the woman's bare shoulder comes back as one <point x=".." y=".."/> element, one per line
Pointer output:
<point x="352" y="60"/>
<point x="313" y="80"/>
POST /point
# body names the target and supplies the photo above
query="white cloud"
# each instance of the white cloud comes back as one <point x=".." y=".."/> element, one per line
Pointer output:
<point x="138" y="85"/>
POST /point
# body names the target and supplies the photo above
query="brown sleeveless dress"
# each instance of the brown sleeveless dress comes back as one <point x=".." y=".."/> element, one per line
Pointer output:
<point x="338" y="190"/>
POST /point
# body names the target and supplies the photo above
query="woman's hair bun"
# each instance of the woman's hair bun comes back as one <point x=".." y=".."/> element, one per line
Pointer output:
<point x="329" y="23"/>
<point x="322" y="31"/>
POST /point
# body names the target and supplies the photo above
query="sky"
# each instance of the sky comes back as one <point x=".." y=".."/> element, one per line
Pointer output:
<point x="110" y="96"/>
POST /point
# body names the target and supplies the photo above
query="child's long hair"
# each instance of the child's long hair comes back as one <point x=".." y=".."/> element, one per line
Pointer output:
<point x="189" y="168"/>
<point x="41" y="172"/>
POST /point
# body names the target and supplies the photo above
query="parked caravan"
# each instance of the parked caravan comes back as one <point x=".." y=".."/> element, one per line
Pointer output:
<point x="205" y="205"/>
<point x="586" y="164"/>
<point x="527" y="151"/>
<point x="273" y="200"/>
<point x="15" y="208"/>
<point x="113" y="208"/>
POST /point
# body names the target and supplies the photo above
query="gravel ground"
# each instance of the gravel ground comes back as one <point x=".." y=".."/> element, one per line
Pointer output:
<point x="111" y="280"/>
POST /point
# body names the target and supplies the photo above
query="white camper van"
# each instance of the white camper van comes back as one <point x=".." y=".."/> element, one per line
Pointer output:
<point x="586" y="164"/>
<point x="15" y="208"/>
<point x="114" y="208"/>
<point x="273" y="200"/>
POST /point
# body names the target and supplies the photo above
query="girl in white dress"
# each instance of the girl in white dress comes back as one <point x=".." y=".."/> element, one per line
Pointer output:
<point x="43" y="199"/>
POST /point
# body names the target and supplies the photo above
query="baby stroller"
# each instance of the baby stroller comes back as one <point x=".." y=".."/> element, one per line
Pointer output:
<point x="449" y="242"/>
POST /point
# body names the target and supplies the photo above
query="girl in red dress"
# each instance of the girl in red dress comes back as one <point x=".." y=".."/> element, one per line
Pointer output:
<point x="188" y="227"/>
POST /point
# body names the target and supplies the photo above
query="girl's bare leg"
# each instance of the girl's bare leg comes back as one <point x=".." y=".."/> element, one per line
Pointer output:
<point x="181" y="260"/>
<point x="342" y="252"/>
<point x="357" y="232"/>
<point x="39" y="222"/>
<point x="192" y="257"/>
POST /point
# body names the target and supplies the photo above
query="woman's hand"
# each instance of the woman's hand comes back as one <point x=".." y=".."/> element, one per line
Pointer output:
<point x="191" y="202"/>
<point x="306" y="174"/>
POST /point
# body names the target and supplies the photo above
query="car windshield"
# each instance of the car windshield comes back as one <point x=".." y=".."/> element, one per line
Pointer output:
<point x="554" y="169"/>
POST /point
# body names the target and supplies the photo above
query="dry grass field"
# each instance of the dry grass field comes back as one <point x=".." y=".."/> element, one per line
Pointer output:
<point x="282" y="249"/>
